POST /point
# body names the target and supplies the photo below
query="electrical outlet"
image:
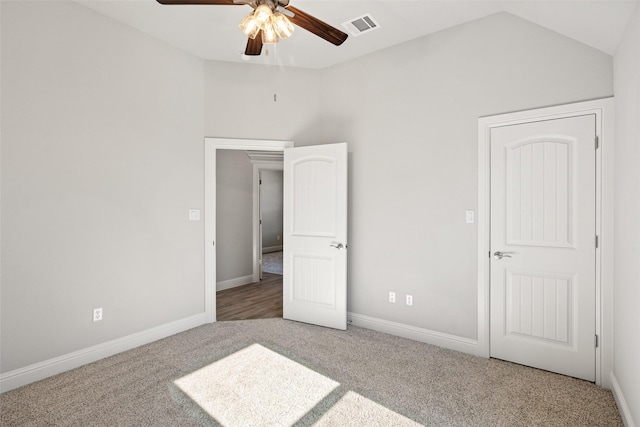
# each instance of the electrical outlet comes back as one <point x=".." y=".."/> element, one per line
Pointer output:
<point x="392" y="297"/>
<point x="97" y="314"/>
<point x="409" y="300"/>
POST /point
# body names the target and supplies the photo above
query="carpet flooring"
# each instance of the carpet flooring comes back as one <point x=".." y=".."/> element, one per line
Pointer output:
<point x="277" y="372"/>
<point x="272" y="262"/>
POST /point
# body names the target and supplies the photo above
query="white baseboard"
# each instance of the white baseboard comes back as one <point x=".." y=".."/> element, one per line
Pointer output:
<point x="234" y="283"/>
<point x="440" y="339"/>
<point x="623" y="407"/>
<point x="38" y="371"/>
<point x="269" y="249"/>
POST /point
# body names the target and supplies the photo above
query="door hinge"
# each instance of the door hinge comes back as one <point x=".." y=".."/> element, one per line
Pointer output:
<point x="597" y="142"/>
<point x="597" y="340"/>
<point x="213" y="243"/>
<point x="597" y="242"/>
<point x="260" y="182"/>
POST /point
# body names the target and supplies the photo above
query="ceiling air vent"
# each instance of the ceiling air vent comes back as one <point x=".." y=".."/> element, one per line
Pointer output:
<point x="361" y="25"/>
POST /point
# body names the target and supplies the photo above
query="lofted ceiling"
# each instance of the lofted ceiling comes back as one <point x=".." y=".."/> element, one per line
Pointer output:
<point x="212" y="33"/>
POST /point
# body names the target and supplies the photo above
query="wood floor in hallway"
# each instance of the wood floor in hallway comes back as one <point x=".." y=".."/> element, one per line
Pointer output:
<point x="260" y="300"/>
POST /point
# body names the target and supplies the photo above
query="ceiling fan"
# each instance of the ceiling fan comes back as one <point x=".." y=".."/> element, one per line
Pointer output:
<point x="270" y="21"/>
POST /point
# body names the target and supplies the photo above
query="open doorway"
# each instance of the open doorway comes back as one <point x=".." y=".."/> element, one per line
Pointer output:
<point x="271" y="221"/>
<point x="268" y="202"/>
<point x="315" y="229"/>
<point x="212" y="147"/>
<point x="249" y="233"/>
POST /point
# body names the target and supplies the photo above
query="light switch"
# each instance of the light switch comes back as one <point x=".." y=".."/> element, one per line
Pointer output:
<point x="471" y="217"/>
<point x="194" y="215"/>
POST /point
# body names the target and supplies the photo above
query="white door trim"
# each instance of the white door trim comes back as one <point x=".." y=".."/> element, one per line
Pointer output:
<point x="603" y="109"/>
<point x="210" y="147"/>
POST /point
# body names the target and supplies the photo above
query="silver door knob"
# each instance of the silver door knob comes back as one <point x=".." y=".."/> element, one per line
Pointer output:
<point x="500" y="255"/>
<point x="337" y="245"/>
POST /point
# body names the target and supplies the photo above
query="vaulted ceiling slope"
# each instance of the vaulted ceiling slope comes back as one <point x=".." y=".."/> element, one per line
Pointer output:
<point x="212" y="33"/>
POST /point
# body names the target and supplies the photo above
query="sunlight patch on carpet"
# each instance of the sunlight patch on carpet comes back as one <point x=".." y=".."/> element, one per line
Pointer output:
<point x="356" y="410"/>
<point x="256" y="386"/>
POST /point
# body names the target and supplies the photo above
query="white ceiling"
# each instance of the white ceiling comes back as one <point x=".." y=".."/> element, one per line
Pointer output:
<point x="212" y="33"/>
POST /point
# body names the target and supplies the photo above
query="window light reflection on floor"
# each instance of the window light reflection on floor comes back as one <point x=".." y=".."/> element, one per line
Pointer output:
<point x="259" y="387"/>
<point x="256" y="386"/>
<point x="356" y="410"/>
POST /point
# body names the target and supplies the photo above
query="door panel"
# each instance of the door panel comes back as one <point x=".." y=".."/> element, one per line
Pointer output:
<point x="543" y="221"/>
<point x="314" y="196"/>
<point x="315" y="233"/>
<point x="538" y="306"/>
<point x="539" y="192"/>
<point x="312" y="274"/>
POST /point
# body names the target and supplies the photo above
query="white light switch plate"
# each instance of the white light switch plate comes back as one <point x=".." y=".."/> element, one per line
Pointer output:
<point x="194" y="215"/>
<point x="471" y="217"/>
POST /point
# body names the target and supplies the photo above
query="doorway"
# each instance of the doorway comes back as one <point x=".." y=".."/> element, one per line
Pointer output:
<point x="541" y="192"/>
<point x="271" y="221"/>
<point x="249" y="196"/>
<point x="268" y="204"/>
<point x="212" y="145"/>
<point x="315" y="229"/>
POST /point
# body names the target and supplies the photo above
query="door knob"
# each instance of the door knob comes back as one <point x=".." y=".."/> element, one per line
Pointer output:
<point x="337" y="245"/>
<point x="500" y="255"/>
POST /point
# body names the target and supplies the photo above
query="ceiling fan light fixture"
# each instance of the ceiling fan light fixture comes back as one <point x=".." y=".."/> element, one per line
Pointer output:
<point x="263" y="14"/>
<point x="271" y="21"/>
<point x="282" y="26"/>
<point x="250" y="26"/>
<point x="269" y="35"/>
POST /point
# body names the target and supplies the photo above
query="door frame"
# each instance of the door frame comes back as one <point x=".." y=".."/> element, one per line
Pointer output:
<point x="211" y="145"/>
<point x="260" y="162"/>
<point x="603" y="110"/>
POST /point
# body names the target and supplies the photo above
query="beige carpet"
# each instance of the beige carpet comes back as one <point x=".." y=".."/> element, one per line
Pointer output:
<point x="279" y="373"/>
<point x="272" y="262"/>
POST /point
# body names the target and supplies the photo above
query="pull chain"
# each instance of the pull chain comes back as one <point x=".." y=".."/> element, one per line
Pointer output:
<point x="275" y="73"/>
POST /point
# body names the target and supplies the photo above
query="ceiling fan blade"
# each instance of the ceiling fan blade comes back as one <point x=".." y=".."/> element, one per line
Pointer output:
<point x="214" y="2"/>
<point x="254" y="46"/>
<point x="317" y="27"/>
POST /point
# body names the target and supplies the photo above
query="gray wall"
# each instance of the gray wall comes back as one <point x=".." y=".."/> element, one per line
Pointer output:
<point x="410" y="115"/>
<point x="239" y="102"/>
<point x="626" y="314"/>
<point x="271" y="207"/>
<point x="101" y="161"/>
<point x="234" y="215"/>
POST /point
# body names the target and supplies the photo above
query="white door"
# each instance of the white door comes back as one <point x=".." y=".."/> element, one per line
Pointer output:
<point x="315" y="232"/>
<point x="543" y="219"/>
